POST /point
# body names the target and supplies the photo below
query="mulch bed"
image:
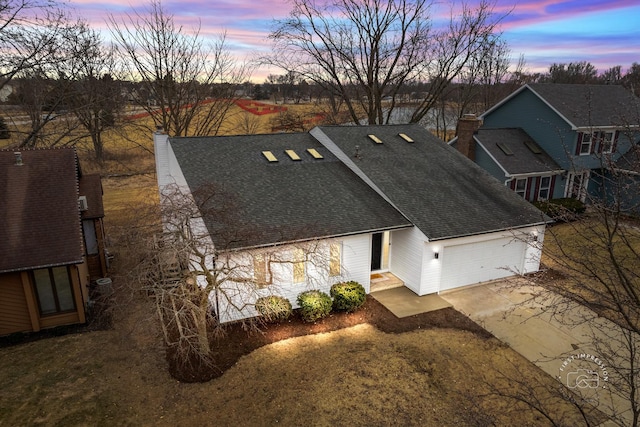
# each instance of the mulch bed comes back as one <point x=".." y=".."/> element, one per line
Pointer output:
<point x="237" y="342"/>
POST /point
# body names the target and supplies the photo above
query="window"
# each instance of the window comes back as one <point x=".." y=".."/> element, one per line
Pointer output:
<point x="521" y="187"/>
<point x="54" y="290"/>
<point x="606" y="142"/>
<point x="298" y="266"/>
<point x="261" y="274"/>
<point x="335" y="259"/>
<point x="545" y="187"/>
<point x="602" y="141"/>
<point x="587" y="141"/>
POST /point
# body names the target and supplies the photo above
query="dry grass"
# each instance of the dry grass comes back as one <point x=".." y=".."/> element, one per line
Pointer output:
<point x="355" y="376"/>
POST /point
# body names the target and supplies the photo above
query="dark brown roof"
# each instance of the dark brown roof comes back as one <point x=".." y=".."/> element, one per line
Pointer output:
<point x="91" y="187"/>
<point x="39" y="220"/>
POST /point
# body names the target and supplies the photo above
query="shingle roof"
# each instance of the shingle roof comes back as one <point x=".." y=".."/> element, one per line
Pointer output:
<point x="39" y="221"/>
<point x="91" y="187"/>
<point x="285" y="200"/>
<point x="522" y="159"/>
<point x="589" y="105"/>
<point x="442" y="192"/>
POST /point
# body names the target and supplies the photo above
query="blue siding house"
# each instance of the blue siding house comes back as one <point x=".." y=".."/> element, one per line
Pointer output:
<point x="549" y="141"/>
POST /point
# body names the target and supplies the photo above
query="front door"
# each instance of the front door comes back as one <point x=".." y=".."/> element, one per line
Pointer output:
<point x="376" y="251"/>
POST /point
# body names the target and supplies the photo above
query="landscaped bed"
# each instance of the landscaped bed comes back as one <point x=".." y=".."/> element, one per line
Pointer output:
<point x="237" y="342"/>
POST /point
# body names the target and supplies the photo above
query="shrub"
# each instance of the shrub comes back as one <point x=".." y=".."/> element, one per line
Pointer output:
<point x="566" y="209"/>
<point x="274" y="308"/>
<point x="314" y="305"/>
<point x="348" y="296"/>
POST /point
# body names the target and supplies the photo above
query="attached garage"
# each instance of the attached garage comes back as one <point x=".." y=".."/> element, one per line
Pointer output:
<point x="477" y="262"/>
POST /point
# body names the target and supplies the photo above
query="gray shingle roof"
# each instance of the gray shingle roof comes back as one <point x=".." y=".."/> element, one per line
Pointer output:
<point x="442" y="192"/>
<point x="589" y="105"/>
<point x="522" y="159"/>
<point x="286" y="200"/>
<point x="39" y="216"/>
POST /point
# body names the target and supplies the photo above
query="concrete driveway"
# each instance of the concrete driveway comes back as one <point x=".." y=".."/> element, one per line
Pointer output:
<point x="562" y="347"/>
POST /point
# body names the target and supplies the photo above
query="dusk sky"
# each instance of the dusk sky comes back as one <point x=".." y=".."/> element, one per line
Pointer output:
<point x="603" y="32"/>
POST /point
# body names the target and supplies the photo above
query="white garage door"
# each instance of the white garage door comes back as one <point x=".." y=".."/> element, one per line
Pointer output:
<point x="480" y="262"/>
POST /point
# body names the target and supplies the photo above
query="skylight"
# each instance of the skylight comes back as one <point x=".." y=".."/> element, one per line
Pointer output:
<point x="375" y="139"/>
<point x="292" y="154"/>
<point x="506" y="150"/>
<point x="314" y="153"/>
<point x="269" y="156"/>
<point x="535" y="149"/>
<point x="405" y="137"/>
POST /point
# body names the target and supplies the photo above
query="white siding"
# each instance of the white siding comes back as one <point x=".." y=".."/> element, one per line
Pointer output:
<point x="406" y="257"/>
<point x="431" y="268"/>
<point x="235" y="301"/>
<point x="534" y="250"/>
<point x="356" y="259"/>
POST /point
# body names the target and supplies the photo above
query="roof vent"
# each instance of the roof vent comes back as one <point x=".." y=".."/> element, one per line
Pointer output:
<point x="18" y="156"/>
<point x="82" y="203"/>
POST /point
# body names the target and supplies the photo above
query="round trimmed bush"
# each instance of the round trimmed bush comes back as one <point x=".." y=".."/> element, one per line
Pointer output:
<point x="348" y="296"/>
<point x="314" y="305"/>
<point x="274" y="308"/>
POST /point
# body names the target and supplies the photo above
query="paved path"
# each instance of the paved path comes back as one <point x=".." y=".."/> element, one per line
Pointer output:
<point x="509" y="311"/>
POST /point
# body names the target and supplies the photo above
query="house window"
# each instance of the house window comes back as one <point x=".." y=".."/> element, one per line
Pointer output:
<point x="521" y="187"/>
<point x="261" y="273"/>
<point x="54" y="290"/>
<point x="603" y="141"/>
<point x="298" y="266"/>
<point x="335" y="259"/>
<point x="586" y="143"/>
<point x="545" y="187"/>
<point x="606" y="142"/>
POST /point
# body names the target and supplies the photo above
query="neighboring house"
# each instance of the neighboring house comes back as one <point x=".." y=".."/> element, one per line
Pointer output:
<point x="379" y="198"/>
<point x="51" y="239"/>
<point x="549" y="141"/>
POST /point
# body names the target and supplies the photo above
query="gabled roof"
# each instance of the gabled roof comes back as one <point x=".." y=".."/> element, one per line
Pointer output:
<point x="583" y="106"/>
<point x="442" y="192"/>
<point x="40" y="220"/>
<point x="515" y="151"/>
<point x="284" y="200"/>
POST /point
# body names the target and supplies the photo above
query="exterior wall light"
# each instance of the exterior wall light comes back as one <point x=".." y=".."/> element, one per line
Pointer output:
<point x="436" y="255"/>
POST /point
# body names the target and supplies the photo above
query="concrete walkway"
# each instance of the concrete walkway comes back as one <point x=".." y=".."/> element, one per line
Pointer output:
<point x="508" y="311"/>
<point x="402" y="302"/>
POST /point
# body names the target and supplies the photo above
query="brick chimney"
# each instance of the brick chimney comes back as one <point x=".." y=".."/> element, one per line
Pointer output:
<point x="467" y="127"/>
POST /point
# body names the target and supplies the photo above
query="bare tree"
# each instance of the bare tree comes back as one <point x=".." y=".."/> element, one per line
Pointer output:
<point x="95" y="97"/>
<point x="574" y="73"/>
<point x="199" y="286"/>
<point x="29" y="36"/>
<point x="187" y="85"/>
<point x="364" y="51"/>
